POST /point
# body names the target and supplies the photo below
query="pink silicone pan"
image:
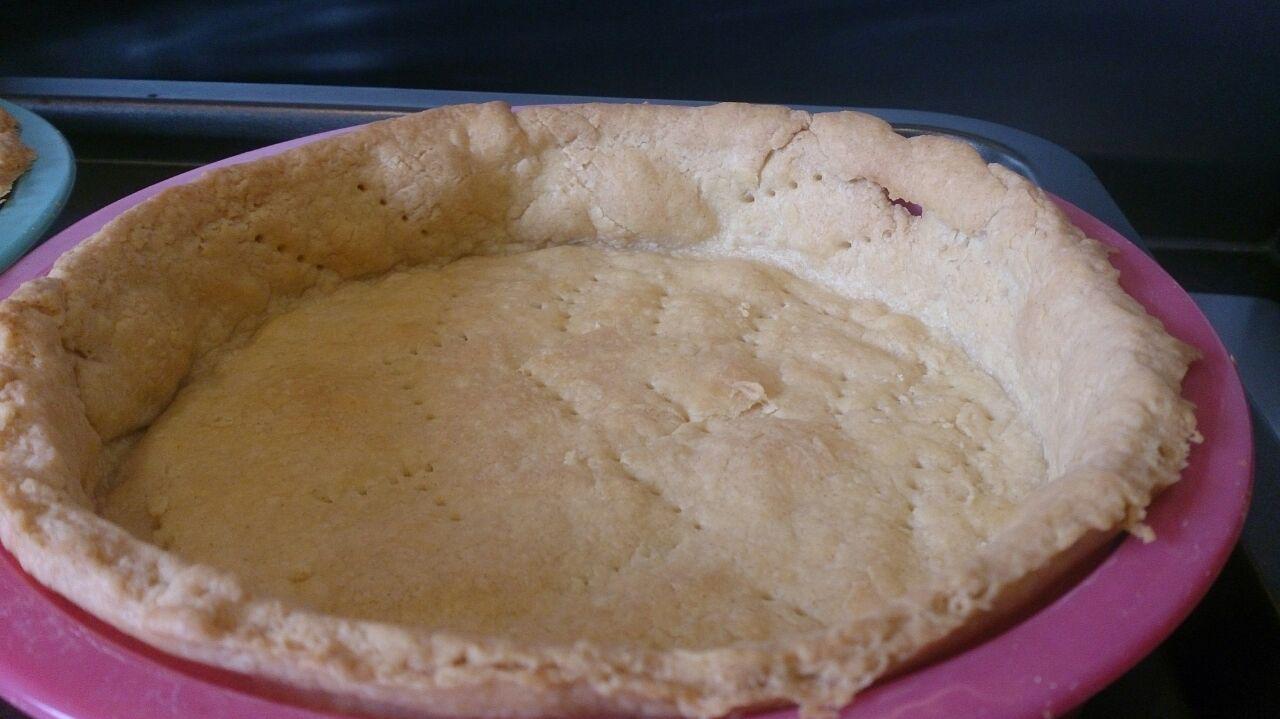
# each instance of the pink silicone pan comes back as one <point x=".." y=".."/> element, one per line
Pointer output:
<point x="56" y="661"/>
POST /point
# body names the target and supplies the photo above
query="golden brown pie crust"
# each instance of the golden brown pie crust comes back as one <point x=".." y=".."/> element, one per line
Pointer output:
<point x="580" y="443"/>
<point x="15" y="157"/>
<point x="94" y="353"/>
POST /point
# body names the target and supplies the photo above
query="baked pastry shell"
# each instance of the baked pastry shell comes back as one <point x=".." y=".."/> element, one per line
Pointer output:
<point x="95" y="351"/>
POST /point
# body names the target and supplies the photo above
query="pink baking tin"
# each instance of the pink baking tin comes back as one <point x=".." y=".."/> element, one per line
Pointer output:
<point x="57" y="661"/>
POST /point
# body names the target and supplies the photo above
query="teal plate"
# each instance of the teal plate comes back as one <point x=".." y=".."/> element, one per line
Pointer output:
<point x="39" y="194"/>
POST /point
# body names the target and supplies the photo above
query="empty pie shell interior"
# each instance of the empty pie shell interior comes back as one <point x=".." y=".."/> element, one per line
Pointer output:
<point x="579" y="409"/>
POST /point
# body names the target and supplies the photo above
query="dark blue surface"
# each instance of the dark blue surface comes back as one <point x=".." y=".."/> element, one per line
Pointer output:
<point x="1250" y="330"/>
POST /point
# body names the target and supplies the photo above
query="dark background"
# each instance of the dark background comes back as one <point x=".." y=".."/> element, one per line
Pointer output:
<point x="1175" y="105"/>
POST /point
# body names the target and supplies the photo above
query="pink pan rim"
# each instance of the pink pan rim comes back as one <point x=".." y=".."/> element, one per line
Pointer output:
<point x="64" y="663"/>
